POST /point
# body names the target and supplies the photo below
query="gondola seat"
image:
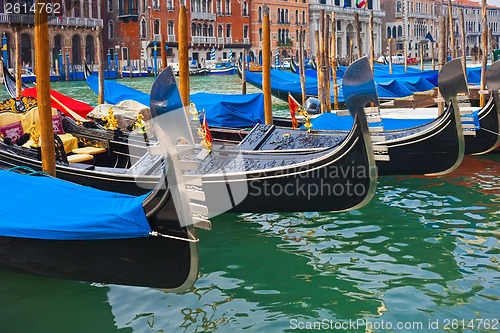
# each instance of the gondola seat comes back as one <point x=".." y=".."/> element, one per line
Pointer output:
<point x="88" y="150"/>
<point x="80" y="158"/>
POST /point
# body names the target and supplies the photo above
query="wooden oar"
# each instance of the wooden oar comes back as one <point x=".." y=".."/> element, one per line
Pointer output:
<point x="68" y="110"/>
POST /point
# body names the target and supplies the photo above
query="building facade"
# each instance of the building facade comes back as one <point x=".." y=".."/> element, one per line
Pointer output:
<point x="287" y="20"/>
<point x="409" y="22"/>
<point x="344" y="15"/>
<point x="134" y="29"/>
<point x="72" y="32"/>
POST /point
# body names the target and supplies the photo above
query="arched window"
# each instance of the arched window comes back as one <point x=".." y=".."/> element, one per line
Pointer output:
<point x="398" y="6"/>
<point x="245" y="8"/>
<point x="394" y="32"/>
<point x="111" y="29"/>
<point x="260" y="34"/>
<point x="303" y="17"/>
<point x="388" y="32"/>
<point x="259" y="14"/>
<point x="297" y="17"/>
<point x="193" y="29"/>
<point x="156" y="27"/>
<point x="228" y="7"/>
<point x="228" y="30"/>
<point x="279" y="35"/>
<point x="400" y="31"/>
<point x="219" y="7"/>
<point x="171" y="28"/>
<point x="286" y="16"/>
<point x="142" y="31"/>
<point x="76" y="50"/>
<point x="89" y="49"/>
<point x="220" y="31"/>
<point x="245" y="31"/>
<point x="279" y="15"/>
<point x="211" y="30"/>
<point x="205" y="30"/>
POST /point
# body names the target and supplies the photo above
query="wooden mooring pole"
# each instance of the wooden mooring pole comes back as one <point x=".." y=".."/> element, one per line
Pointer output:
<point x="42" y="59"/>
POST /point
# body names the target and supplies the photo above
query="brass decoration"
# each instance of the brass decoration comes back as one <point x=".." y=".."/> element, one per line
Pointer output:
<point x="139" y="125"/>
<point x="111" y="122"/>
<point x="303" y="112"/>
<point x="18" y="105"/>
<point x="34" y="136"/>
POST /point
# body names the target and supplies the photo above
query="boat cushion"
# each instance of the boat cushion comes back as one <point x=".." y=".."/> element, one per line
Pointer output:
<point x="12" y="130"/>
<point x="57" y="124"/>
<point x="79" y="158"/>
<point x="89" y="150"/>
<point x="73" y="212"/>
<point x="27" y="119"/>
<point x="69" y="141"/>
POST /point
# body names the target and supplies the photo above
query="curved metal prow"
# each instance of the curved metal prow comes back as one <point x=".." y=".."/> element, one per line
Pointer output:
<point x="359" y="87"/>
<point x="492" y="76"/>
<point x="174" y="134"/>
<point x="451" y="80"/>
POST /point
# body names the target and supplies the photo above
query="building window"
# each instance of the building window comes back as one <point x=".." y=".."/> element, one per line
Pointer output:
<point x="228" y="7"/>
<point x="297" y="17"/>
<point x="228" y="30"/>
<point x="245" y="9"/>
<point x="111" y="30"/>
<point x="245" y="31"/>
<point x="398" y="7"/>
<point x="142" y="31"/>
<point x="219" y="7"/>
<point x="170" y="5"/>
<point x="156" y="4"/>
<point x="171" y="28"/>
<point x="110" y="5"/>
<point x="303" y="17"/>
<point x="400" y="31"/>
<point x="260" y="34"/>
<point x="156" y="27"/>
<point x="339" y="25"/>
<point x="259" y="14"/>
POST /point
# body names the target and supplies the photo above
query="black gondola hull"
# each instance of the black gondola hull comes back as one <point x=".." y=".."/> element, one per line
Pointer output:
<point x="149" y="261"/>
<point x="487" y="138"/>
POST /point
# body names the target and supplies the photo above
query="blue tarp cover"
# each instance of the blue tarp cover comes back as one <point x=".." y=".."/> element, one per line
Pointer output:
<point x="115" y="92"/>
<point x="231" y="110"/>
<point x="50" y="208"/>
<point x="330" y="121"/>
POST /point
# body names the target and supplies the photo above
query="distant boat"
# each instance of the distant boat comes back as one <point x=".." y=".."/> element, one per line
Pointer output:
<point x="28" y="76"/>
<point x="134" y="73"/>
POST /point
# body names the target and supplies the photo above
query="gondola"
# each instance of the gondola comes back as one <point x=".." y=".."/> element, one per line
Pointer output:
<point x="52" y="241"/>
<point x="487" y="137"/>
<point x="10" y="82"/>
<point x="279" y="168"/>
<point x="59" y="229"/>
<point x="321" y="179"/>
<point x="409" y="149"/>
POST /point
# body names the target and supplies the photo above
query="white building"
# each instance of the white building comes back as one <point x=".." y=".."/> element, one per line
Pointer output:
<point x="344" y="15"/>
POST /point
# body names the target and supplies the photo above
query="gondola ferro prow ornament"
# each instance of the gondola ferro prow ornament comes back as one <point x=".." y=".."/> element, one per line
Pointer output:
<point x="175" y="132"/>
<point x="452" y="82"/>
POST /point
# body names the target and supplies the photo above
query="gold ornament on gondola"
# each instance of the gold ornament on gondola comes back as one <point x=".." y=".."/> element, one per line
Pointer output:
<point x="111" y="122"/>
<point x="34" y="136"/>
<point x="303" y="112"/>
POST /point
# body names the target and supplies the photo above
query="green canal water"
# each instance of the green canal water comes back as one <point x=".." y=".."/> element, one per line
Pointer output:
<point x="423" y="256"/>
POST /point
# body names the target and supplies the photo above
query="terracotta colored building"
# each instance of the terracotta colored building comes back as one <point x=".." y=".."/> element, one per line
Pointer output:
<point x="72" y="32"/>
<point x="287" y="19"/>
<point x="133" y="27"/>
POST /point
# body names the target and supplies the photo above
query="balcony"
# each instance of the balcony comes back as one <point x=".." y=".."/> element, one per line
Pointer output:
<point x="52" y="20"/>
<point x="339" y="10"/>
<point x="203" y="40"/>
<point x="246" y="41"/>
<point x="203" y="16"/>
<point x="128" y="14"/>
<point x="285" y="43"/>
<point x="220" y="40"/>
<point x="171" y="39"/>
<point x="229" y="40"/>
